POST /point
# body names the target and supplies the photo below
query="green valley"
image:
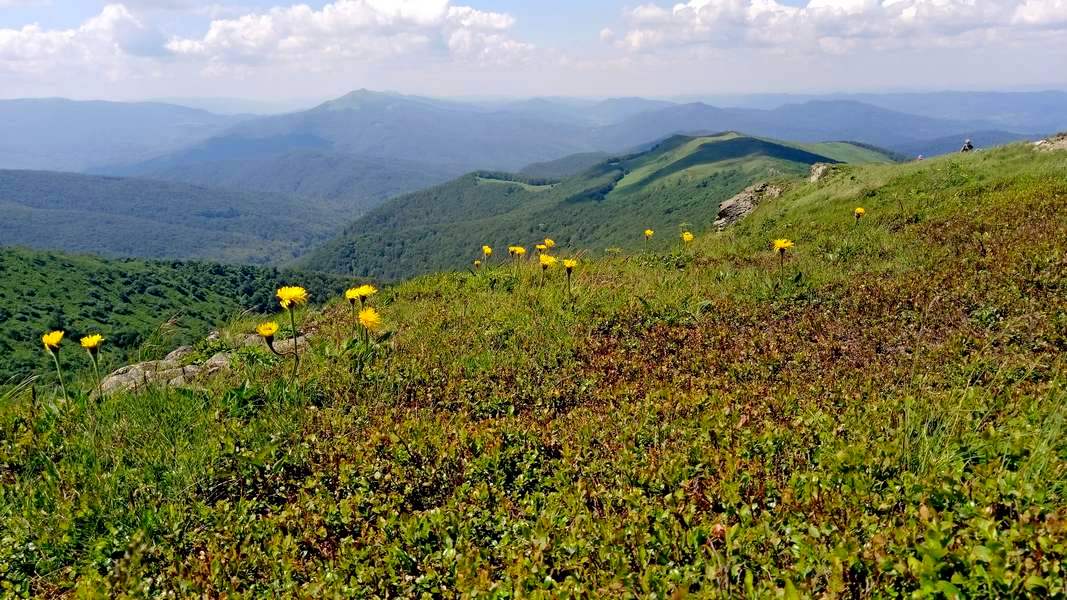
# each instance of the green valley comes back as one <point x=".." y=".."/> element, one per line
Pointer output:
<point x="679" y="182"/>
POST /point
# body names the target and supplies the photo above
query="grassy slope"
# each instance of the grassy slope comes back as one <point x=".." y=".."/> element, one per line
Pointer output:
<point x="883" y="415"/>
<point x="682" y="180"/>
<point x="126" y="300"/>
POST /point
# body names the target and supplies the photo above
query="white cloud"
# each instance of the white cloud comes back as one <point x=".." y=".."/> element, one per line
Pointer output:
<point x="837" y="25"/>
<point x="108" y="42"/>
<point x="356" y="29"/>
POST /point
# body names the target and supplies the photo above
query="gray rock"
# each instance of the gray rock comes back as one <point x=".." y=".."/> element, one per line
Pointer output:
<point x="819" y="171"/>
<point x="739" y="207"/>
<point x="179" y="353"/>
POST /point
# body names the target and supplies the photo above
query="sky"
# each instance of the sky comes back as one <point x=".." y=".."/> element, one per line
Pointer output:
<point x="281" y="50"/>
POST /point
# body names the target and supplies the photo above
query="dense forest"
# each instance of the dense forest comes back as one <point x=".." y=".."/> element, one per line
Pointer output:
<point x="130" y="302"/>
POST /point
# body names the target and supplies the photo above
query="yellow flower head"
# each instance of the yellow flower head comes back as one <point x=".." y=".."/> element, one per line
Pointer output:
<point x="550" y="243"/>
<point x="649" y="233"/>
<point x="687" y="237"/>
<point x="369" y="318"/>
<point x="288" y="296"/>
<point x="782" y="245"/>
<point x="267" y="330"/>
<point x="548" y="261"/>
<point x="487" y="251"/>
<point x="92" y="342"/>
<point x="569" y="264"/>
<point x="542" y="248"/>
<point x="477" y="264"/>
<point x="859" y="212"/>
<point x="520" y="251"/>
<point x="51" y="340"/>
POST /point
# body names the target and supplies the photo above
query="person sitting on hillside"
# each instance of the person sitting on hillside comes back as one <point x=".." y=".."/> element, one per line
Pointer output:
<point x="967" y="146"/>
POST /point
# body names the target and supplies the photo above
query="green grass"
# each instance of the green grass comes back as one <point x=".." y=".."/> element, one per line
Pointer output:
<point x="880" y="416"/>
<point x="680" y="181"/>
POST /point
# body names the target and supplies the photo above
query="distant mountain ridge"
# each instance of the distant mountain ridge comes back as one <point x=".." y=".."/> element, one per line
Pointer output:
<point x="457" y="137"/>
<point x="67" y="135"/>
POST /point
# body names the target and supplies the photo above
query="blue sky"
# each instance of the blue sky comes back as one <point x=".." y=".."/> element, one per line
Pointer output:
<point x="277" y="49"/>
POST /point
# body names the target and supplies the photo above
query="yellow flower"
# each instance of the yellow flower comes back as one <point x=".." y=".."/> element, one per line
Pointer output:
<point x="649" y="233"/>
<point x="687" y="237"/>
<point x="51" y="340"/>
<point x="291" y="295"/>
<point x="550" y="243"/>
<point x="541" y="248"/>
<point x="369" y="318"/>
<point x="859" y="212"/>
<point x="782" y="245"/>
<point x="477" y="264"/>
<point x="92" y="342"/>
<point x="268" y="329"/>
<point x="520" y="251"/>
<point x="548" y="261"/>
<point x="569" y="264"/>
<point x="487" y="251"/>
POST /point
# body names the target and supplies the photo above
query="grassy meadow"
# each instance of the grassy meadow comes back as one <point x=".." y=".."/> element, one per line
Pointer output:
<point x="878" y="413"/>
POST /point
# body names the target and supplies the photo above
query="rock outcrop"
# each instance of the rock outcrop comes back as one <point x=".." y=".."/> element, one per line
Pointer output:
<point x="172" y="372"/>
<point x="1056" y="142"/>
<point x="819" y="171"/>
<point x="738" y="207"/>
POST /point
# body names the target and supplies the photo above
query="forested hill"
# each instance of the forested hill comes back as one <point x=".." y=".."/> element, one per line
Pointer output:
<point x="129" y="217"/>
<point x="127" y="300"/>
<point x="678" y="183"/>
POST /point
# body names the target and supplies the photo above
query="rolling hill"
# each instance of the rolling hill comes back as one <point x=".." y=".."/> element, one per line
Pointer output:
<point x="680" y="181"/>
<point x="127" y="300"/>
<point x="142" y="218"/>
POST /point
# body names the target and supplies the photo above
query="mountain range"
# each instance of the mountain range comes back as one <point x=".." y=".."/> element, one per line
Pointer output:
<point x="161" y="180"/>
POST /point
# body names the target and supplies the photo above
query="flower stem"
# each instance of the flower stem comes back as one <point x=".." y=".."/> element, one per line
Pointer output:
<point x="59" y="371"/>
<point x="99" y="382"/>
<point x="296" y="349"/>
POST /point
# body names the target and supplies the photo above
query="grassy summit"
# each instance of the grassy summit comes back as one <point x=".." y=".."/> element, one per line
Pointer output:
<point x="680" y="180"/>
<point x="879" y="414"/>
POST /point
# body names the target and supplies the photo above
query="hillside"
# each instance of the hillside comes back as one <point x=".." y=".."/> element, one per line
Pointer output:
<point x="130" y="300"/>
<point x="879" y="413"/>
<point x="68" y="135"/>
<point x="568" y="166"/>
<point x="153" y="219"/>
<point x="681" y="180"/>
<point x="358" y="183"/>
